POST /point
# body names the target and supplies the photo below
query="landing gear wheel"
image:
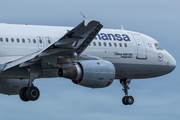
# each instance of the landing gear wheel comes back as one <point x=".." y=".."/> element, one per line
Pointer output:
<point x="130" y="100"/>
<point x="124" y="100"/>
<point x="32" y="93"/>
<point x="22" y="94"/>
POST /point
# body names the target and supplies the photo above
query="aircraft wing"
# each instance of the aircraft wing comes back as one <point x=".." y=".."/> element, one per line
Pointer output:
<point x="74" y="41"/>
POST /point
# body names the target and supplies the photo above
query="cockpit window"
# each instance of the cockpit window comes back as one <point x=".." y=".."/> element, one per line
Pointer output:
<point x="158" y="46"/>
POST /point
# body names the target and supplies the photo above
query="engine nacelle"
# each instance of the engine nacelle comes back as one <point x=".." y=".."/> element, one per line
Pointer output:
<point x="12" y="86"/>
<point x="90" y="73"/>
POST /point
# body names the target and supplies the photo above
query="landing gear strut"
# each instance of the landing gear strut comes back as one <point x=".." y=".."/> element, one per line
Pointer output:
<point x="30" y="92"/>
<point x="126" y="100"/>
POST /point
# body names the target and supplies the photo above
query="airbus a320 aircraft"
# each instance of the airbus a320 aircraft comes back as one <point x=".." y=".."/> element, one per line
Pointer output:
<point x="87" y="55"/>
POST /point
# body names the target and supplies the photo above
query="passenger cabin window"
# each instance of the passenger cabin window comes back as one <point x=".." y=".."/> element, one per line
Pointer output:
<point x="29" y="40"/>
<point x="110" y="44"/>
<point x="115" y="44"/>
<point x="17" y="39"/>
<point x="23" y="40"/>
<point x="1" y="39"/>
<point x="120" y="45"/>
<point x="158" y="47"/>
<point x="12" y="40"/>
<point x="99" y="44"/>
<point x="104" y="44"/>
<point x="125" y="44"/>
<point x="7" y="40"/>
<point x="94" y="43"/>
<point x="34" y="41"/>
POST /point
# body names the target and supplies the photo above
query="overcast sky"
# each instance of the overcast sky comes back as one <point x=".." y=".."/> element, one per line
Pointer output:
<point x="60" y="99"/>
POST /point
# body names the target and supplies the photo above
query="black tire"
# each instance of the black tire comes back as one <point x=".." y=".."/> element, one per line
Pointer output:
<point x="22" y="94"/>
<point x="124" y="100"/>
<point x="130" y="100"/>
<point x="32" y="93"/>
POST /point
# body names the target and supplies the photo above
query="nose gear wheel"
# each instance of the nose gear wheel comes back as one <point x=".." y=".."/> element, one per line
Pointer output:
<point x="127" y="100"/>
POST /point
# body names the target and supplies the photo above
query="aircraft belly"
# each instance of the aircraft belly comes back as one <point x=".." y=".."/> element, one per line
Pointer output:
<point x="133" y="71"/>
<point x="15" y="73"/>
<point x="12" y="86"/>
<point x="136" y="71"/>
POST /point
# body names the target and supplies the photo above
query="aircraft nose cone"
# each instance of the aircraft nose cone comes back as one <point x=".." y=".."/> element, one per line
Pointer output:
<point x="172" y="62"/>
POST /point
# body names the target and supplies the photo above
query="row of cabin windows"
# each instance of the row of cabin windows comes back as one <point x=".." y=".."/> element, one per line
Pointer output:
<point x="110" y="44"/>
<point x="23" y="40"/>
<point x="49" y="42"/>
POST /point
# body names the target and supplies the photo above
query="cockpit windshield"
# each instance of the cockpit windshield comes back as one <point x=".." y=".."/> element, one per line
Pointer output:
<point x="158" y="46"/>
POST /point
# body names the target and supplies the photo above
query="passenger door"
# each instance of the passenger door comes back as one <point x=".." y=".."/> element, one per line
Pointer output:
<point x="141" y="48"/>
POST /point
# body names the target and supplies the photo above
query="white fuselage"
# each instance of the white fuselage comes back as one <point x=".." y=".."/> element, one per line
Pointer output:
<point x="133" y="54"/>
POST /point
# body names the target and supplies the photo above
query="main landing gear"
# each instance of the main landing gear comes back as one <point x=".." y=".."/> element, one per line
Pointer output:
<point x="30" y="92"/>
<point x="126" y="100"/>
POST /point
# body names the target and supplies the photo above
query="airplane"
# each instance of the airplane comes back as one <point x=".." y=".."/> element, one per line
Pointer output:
<point x="86" y="54"/>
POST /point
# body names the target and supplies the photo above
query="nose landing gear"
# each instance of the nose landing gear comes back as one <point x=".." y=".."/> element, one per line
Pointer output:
<point x="126" y="100"/>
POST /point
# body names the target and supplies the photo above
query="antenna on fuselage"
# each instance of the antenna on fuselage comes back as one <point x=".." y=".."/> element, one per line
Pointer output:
<point x="122" y="27"/>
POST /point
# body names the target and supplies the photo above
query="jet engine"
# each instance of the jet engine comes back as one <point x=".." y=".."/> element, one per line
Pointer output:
<point x="90" y="73"/>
